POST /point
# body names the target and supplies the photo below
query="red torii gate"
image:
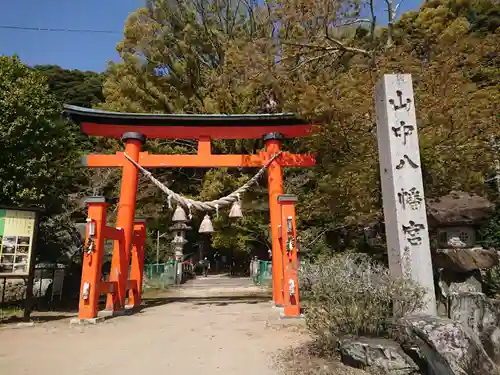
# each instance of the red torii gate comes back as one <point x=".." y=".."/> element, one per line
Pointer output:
<point x="134" y="129"/>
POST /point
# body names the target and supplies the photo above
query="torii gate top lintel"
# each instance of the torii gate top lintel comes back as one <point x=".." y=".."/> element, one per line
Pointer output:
<point x="186" y="126"/>
<point x="140" y="126"/>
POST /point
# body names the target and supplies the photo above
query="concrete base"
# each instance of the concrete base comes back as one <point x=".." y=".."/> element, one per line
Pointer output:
<point x="282" y="316"/>
<point x="77" y="321"/>
<point x="128" y="310"/>
<point x="105" y="315"/>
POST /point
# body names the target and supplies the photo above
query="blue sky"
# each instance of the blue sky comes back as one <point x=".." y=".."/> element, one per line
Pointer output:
<point x="85" y="51"/>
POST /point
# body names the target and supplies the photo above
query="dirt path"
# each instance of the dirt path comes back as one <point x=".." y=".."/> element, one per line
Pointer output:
<point x="212" y="326"/>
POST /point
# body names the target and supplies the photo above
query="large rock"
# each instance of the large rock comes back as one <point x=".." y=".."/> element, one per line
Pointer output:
<point x="448" y="347"/>
<point x="377" y="354"/>
<point x="490" y="338"/>
<point x="458" y="207"/>
<point x="482" y="315"/>
<point x="465" y="260"/>
<point x="474" y="310"/>
<point x="457" y="282"/>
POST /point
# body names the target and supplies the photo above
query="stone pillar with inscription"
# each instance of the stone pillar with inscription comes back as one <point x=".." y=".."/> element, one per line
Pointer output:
<point x="402" y="188"/>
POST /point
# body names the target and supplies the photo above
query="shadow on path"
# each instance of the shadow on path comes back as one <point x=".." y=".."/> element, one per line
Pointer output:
<point x="35" y="318"/>
<point x="210" y="300"/>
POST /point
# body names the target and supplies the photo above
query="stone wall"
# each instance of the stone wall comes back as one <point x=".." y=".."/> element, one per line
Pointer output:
<point x="482" y="315"/>
<point x="15" y="290"/>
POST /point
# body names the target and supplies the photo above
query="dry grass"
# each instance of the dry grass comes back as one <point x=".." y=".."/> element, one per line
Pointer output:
<point x="308" y="359"/>
<point x="351" y="295"/>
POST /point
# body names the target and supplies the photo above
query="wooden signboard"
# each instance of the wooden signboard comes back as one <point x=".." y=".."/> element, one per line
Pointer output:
<point x="17" y="230"/>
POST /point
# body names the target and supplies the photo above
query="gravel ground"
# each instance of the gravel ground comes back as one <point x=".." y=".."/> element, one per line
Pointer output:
<point x="211" y="325"/>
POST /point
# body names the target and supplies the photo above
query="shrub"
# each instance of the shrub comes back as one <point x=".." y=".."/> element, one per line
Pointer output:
<point x="490" y="238"/>
<point x="491" y="282"/>
<point x="350" y="294"/>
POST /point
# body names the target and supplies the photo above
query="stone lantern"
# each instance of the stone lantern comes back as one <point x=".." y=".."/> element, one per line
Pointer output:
<point x="179" y="229"/>
<point x="455" y="219"/>
<point x="461" y="261"/>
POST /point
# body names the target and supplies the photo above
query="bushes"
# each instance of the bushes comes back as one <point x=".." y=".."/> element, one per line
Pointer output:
<point x="350" y="294"/>
<point x="490" y="238"/>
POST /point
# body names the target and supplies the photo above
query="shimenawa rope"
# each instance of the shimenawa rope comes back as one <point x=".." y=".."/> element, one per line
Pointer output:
<point x="205" y="206"/>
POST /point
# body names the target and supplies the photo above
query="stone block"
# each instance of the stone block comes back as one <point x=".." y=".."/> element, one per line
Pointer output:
<point x="451" y="282"/>
<point x="447" y="346"/>
<point x="377" y="355"/>
<point x="466" y="260"/>
<point x="490" y="338"/>
<point x="482" y="315"/>
<point x="473" y="310"/>
<point x="15" y="290"/>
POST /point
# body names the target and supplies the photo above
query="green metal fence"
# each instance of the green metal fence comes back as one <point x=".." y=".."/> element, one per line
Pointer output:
<point x="261" y="272"/>
<point x="161" y="275"/>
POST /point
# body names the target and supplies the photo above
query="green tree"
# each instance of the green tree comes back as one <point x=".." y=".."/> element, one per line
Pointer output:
<point x="74" y="87"/>
<point x="190" y="57"/>
<point x="80" y="88"/>
<point x="172" y="52"/>
<point x="38" y="149"/>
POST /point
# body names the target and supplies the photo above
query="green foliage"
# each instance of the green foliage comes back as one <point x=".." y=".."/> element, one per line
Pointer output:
<point x="78" y="88"/>
<point x="312" y="57"/>
<point x="229" y="57"/>
<point x="491" y="282"/>
<point x="490" y="238"/>
<point x="74" y="87"/>
<point x="38" y="149"/>
<point x="490" y="233"/>
<point x="350" y="294"/>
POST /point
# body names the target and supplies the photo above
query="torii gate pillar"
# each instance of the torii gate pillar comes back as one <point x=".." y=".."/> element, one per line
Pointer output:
<point x="275" y="187"/>
<point x="125" y="219"/>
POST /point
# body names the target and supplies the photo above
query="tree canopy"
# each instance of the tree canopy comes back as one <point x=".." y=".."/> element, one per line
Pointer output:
<point x="74" y="87"/>
<point x="38" y="146"/>
<point x="317" y="58"/>
<point x="233" y="57"/>
<point x="39" y="152"/>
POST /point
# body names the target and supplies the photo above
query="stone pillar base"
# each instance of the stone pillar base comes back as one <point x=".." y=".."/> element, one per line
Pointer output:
<point x="105" y="315"/>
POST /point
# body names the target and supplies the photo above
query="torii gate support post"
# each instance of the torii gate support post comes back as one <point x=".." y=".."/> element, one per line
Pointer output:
<point x="275" y="188"/>
<point x="125" y="220"/>
<point x="137" y="263"/>
<point x="288" y="237"/>
<point x="92" y="258"/>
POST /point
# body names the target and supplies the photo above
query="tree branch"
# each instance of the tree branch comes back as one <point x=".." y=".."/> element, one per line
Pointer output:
<point x="374" y="20"/>
<point x="339" y="46"/>
<point x="343" y="47"/>
<point x="308" y="45"/>
<point x="353" y="22"/>
<point x="311" y="59"/>
<point x="397" y="7"/>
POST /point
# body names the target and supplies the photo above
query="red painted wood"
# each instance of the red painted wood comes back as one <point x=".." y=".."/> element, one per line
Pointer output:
<point x="286" y="159"/>
<point x="193" y="132"/>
